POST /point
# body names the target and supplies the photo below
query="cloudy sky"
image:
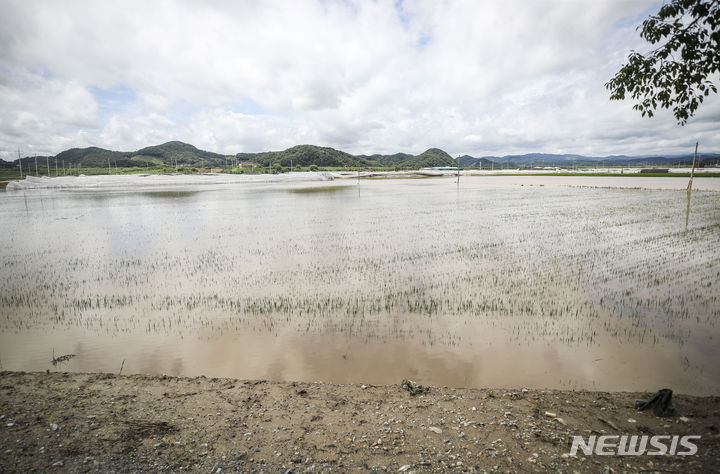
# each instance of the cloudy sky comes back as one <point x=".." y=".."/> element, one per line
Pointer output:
<point x="489" y="77"/>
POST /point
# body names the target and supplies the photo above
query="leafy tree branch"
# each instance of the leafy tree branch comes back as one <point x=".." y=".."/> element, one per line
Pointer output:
<point x="679" y="73"/>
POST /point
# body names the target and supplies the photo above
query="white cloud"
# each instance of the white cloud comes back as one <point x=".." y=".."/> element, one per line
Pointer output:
<point x="477" y="77"/>
<point x="40" y="113"/>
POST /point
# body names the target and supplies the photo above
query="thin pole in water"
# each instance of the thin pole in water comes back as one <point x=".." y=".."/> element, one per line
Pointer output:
<point x="689" y="187"/>
<point x="692" y="171"/>
<point x="458" y="171"/>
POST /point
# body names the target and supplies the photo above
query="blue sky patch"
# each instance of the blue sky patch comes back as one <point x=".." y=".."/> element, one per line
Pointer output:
<point x="114" y="99"/>
<point x="247" y="106"/>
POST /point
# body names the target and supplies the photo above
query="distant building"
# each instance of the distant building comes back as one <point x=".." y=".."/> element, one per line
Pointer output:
<point x="248" y="164"/>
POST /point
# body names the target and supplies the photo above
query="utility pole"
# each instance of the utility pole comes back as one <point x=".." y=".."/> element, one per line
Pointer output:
<point x="109" y="171"/>
<point x="36" y="168"/>
<point x="47" y="163"/>
<point x="56" y="169"/>
<point x="20" y="161"/>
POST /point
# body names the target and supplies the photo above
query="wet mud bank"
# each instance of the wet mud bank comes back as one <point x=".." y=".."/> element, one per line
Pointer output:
<point x="103" y="422"/>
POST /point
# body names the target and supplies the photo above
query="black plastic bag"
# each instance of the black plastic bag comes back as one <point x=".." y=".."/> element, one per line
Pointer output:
<point x="661" y="403"/>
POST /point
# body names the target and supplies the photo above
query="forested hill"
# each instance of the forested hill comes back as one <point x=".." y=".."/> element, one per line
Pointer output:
<point x="170" y="153"/>
<point x="183" y="154"/>
<point x="177" y="153"/>
<point x="306" y="155"/>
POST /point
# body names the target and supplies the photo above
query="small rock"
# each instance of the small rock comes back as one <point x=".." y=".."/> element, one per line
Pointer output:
<point x="404" y="468"/>
<point x="54" y="426"/>
<point x="632" y="420"/>
<point x="363" y="386"/>
<point x="550" y="414"/>
<point x="413" y="387"/>
<point x="58" y="464"/>
<point x="435" y="430"/>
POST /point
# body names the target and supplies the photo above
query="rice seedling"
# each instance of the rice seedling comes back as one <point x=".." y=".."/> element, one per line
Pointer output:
<point x="416" y="268"/>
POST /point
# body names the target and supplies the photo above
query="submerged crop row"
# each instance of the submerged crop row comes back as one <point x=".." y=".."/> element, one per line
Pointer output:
<point x="550" y="265"/>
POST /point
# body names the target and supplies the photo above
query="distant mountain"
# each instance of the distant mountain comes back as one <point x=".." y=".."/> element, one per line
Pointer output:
<point x="388" y="160"/>
<point x="468" y="161"/>
<point x="178" y="153"/>
<point x="430" y="158"/>
<point x="94" y="157"/>
<point x="541" y="157"/>
<point x="169" y="153"/>
<point x="183" y="154"/>
<point x="565" y="160"/>
<point x="306" y="155"/>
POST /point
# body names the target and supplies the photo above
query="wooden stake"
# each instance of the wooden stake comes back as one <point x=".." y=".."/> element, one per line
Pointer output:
<point x="689" y="187"/>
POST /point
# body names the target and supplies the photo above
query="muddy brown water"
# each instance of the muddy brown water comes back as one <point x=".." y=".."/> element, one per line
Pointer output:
<point x="489" y="283"/>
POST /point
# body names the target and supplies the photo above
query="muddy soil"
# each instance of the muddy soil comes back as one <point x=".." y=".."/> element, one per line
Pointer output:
<point x="104" y="423"/>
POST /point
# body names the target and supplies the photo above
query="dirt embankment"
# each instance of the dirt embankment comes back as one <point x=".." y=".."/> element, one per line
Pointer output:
<point x="103" y="422"/>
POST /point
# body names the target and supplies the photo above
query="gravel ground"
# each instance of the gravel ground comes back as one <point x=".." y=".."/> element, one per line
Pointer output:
<point x="104" y="423"/>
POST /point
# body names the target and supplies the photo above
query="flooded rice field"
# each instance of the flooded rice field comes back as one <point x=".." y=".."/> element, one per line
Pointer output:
<point x="489" y="283"/>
